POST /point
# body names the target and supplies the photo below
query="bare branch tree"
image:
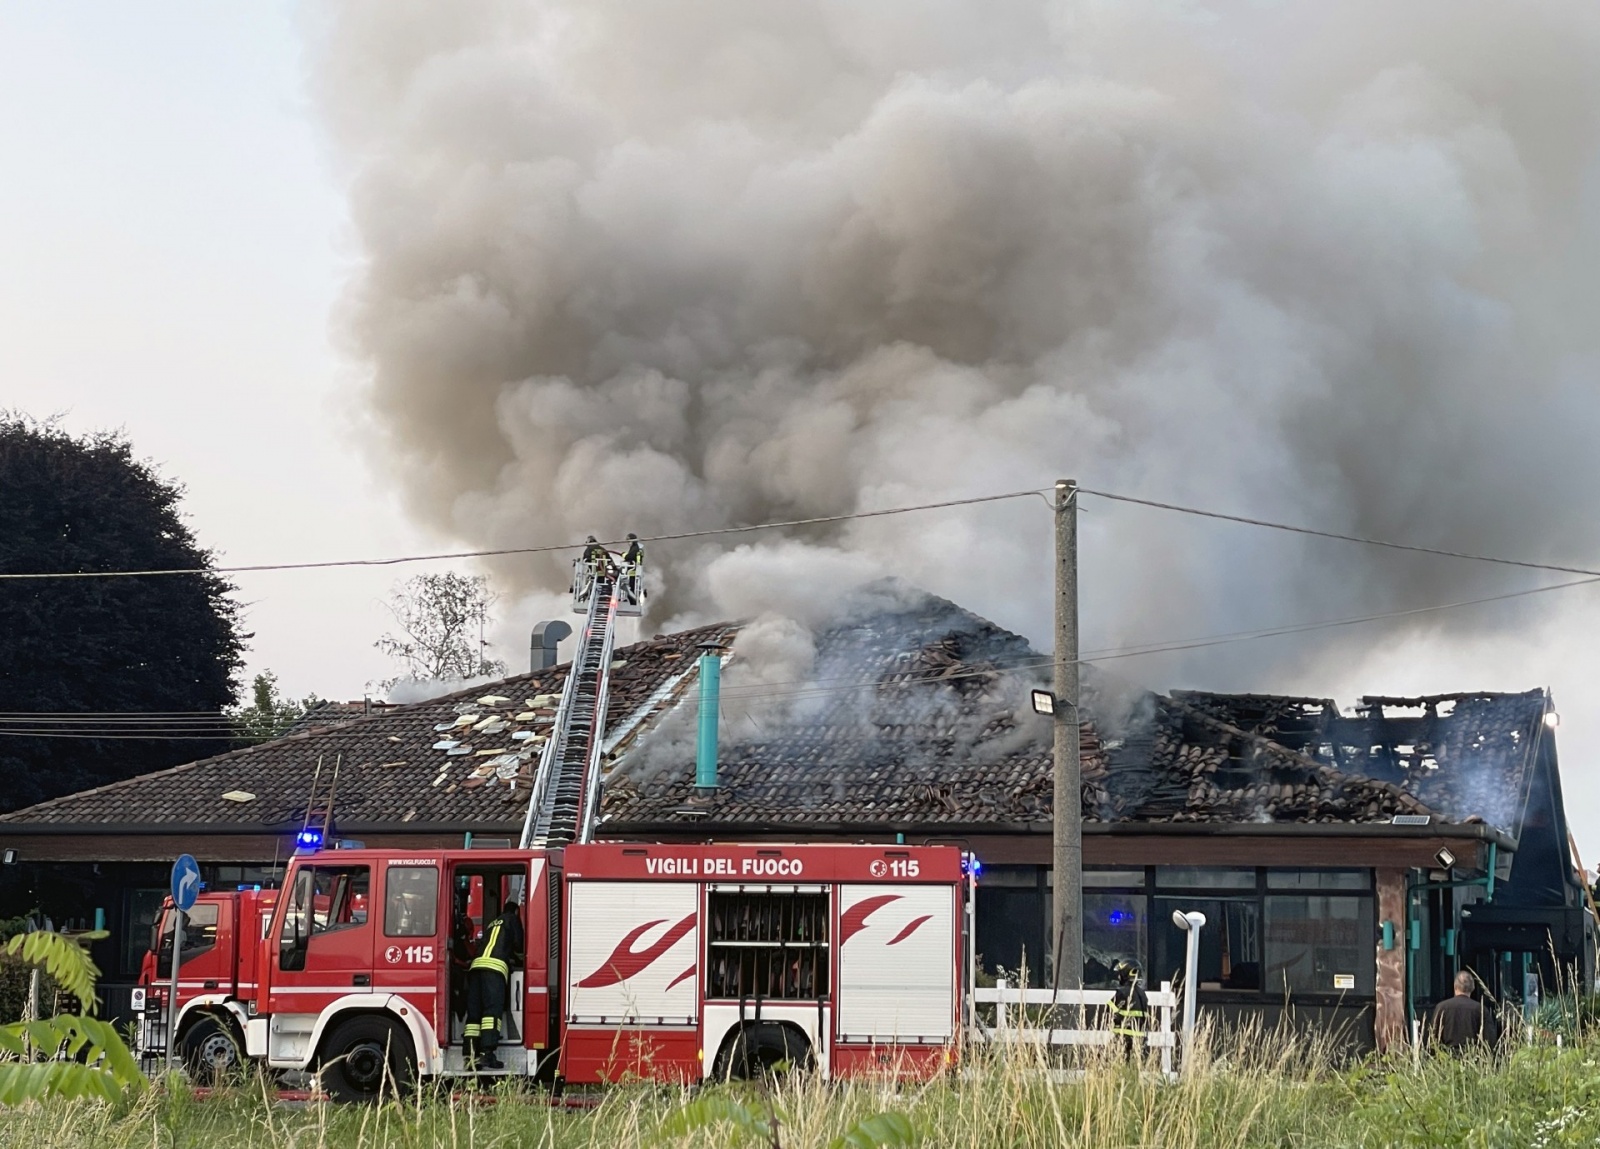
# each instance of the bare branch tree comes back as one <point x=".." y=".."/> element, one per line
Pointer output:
<point x="442" y="620"/>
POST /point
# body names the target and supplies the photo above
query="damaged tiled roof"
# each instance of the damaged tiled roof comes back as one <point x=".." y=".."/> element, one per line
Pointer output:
<point x="1199" y="757"/>
<point x="912" y="713"/>
<point x="391" y="772"/>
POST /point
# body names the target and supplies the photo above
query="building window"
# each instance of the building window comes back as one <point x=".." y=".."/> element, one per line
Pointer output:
<point x="1319" y="879"/>
<point x="1114" y="928"/>
<point x="1204" y="878"/>
<point x="1115" y="879"/>
<point x="1230" y="943"/>
<point x="138" y="936"/>
<point x="411" y="901"/>
<point x="1320" y="944"/>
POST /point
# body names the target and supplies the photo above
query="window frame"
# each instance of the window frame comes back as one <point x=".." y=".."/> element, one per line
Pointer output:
<point x="391" y="871"/>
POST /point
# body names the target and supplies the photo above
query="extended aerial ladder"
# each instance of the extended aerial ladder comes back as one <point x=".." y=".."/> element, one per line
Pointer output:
<point x="566" y="790"/>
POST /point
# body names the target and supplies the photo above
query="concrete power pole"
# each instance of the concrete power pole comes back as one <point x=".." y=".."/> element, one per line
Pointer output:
<point x="1068" y="828"/>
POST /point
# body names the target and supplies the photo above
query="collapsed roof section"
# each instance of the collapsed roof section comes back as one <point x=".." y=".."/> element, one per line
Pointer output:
<point x="1455" y="758"/>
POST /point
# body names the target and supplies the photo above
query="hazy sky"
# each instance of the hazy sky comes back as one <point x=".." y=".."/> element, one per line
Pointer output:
<point x="173" y="239"/>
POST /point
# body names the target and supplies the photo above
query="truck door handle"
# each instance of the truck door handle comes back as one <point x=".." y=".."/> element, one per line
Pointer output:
<point x="210" y="985"/>
<point x="361" y="979"/>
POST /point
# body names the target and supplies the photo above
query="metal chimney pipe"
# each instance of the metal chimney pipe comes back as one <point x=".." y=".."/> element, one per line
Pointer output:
<point x="705" y="756"/>
<point x="547" y="637"/>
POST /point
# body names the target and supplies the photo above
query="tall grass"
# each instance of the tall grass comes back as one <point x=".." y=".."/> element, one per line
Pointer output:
<point x="1244" y="1088"/>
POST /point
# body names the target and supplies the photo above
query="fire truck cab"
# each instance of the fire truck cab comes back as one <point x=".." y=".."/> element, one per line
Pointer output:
<point x="217" y="980"/>
<point x="668" y="962"/>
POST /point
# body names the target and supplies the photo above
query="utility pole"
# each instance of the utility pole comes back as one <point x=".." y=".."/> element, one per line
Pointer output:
<point x="1067" y="852"/>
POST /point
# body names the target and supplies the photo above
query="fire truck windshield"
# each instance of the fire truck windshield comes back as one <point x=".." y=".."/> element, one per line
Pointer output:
<point x="199" y="932"/>
<point x="326" y="898"/>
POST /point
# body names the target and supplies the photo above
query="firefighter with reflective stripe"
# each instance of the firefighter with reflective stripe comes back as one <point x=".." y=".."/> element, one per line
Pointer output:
<point x="487" y="982"/>
<point x="1130" y="1008"/>
<point x="633" y="570"/>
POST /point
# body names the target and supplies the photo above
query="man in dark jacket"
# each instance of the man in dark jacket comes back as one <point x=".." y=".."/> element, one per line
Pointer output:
<point x="1461" y="1023"/>
<point x="487" y="982"/>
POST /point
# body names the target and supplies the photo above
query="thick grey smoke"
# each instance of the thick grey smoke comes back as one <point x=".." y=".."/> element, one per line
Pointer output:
<point x="630" y="264"/>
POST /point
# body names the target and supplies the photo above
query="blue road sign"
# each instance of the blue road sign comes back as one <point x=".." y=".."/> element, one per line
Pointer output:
<point x="185" y="882"/>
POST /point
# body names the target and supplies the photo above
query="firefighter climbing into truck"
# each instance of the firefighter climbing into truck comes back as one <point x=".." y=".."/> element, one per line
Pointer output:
<point x="487" y="982"/>
<point x="566" y="959"/>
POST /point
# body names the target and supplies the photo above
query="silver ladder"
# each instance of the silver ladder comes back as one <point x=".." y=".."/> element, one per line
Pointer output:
<point x="566" y="790"/>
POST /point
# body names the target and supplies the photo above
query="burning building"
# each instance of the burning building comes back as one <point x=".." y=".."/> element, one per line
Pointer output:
<point x="1348" y="860"/>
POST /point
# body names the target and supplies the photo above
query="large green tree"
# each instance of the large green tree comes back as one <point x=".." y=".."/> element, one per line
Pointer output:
<point x="102" y="650"/>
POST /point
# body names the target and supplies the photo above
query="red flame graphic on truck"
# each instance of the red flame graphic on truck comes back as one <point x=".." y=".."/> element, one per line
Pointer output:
<point x="625" y="961"/>
<point x="854" y="920"/>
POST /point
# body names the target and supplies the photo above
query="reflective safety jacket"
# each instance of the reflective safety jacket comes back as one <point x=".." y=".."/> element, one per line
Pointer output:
<point x="502" y="944"/>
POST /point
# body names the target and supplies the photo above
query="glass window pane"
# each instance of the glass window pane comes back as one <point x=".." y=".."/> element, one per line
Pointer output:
<point x="1119" y="878"/>
<point x="411" y="902"/>
<point x="1320" y="945"/>
<point x="1230" y="943"/>
<point x="199" y="932"/>
<point x="1319" y="879"/>
<point x="1024" y="877"/>
<point x="1204" y="878"/>
<point x="1113" y="930"/>
<point x="337" y="898"/>
<point x="144" y="908"/>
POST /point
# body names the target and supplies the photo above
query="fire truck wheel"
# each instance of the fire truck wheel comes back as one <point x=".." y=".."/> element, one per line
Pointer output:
<point x="212" y="1050"/>
<point x="366" y="1057"/>
<point x="762" y="1050"/>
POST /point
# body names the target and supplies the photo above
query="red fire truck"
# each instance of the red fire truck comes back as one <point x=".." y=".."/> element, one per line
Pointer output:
<point x="670" y="962"/>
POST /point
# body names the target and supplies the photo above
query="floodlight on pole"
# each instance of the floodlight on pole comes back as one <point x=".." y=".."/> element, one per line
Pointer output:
<point x="1044" y="702"/>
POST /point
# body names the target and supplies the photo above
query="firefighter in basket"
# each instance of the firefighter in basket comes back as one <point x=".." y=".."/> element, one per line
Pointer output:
<point x="1130" y="1008"/>
<point x="633" y="570"/>
<point x="595" y="562"/>
<point x="487" y="984"/>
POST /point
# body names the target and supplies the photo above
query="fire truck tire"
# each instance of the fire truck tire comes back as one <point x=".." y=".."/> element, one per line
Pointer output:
<point x="366" y="1057"/>
<point x="762" y="1050"/>
<point x="212" y="1049"/>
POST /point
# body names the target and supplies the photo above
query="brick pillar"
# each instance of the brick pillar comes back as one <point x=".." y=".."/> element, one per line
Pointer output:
<point x="1390" y="1019"/>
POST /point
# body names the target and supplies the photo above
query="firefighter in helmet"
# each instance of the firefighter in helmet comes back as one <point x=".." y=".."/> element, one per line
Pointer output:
<point x="598" y="558"/>
<point x="1130" y="1008"/>
<point x="633" y="569"/>
<point x="487" y="983"/>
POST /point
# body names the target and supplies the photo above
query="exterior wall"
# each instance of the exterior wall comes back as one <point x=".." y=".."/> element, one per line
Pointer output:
<point x="1390" y="1020"/>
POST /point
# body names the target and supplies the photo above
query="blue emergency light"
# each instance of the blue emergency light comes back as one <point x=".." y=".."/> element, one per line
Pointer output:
<point x="971" y="865"/>
<point x="309" y="839"/>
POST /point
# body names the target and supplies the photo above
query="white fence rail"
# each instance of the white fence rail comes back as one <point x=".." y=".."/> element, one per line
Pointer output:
<point x="1011" y="1004"/>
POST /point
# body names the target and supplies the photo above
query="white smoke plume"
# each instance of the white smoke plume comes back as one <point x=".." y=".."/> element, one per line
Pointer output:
<point x="638" y="265"/>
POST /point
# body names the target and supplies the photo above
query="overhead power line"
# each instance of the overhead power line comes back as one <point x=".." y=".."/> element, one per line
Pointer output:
<point x="709" y="532"/>
<point x="1388" y="544"/>
<point x="815" y="520"/>
<point x="110" y="724"/>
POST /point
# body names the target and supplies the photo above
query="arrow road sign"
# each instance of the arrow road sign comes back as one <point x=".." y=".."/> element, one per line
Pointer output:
<point x="185" y="882"/>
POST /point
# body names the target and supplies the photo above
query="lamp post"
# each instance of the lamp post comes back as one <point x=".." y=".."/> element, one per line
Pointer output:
<point x="1191" y="924"/>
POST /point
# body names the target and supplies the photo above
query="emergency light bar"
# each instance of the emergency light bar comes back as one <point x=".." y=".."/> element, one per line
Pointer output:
<point x="309" y="839"/>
